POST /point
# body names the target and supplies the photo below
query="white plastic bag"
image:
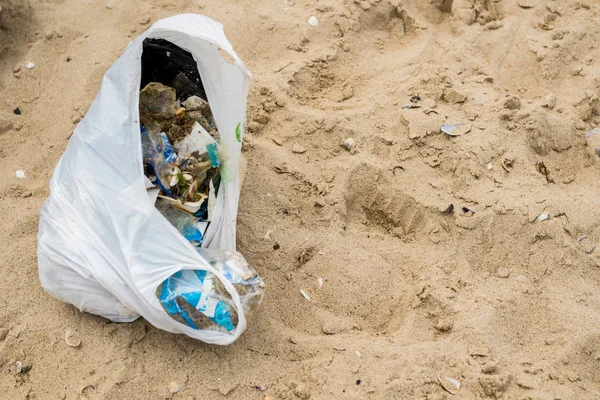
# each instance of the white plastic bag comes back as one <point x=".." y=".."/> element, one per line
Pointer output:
<point x="102" y="245"/>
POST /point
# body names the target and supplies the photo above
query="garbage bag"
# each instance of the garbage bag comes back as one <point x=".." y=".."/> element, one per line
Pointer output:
<point x="102" y="244"/>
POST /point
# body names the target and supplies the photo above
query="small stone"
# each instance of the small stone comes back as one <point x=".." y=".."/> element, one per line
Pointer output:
<point x="3" y="333"/>
<point x="195" y="103"/>
<point x="27" y="194"/>
<point x="17" y="68"/>
<point x="525" y="383"/>
<point x="110" y="6"/>
<point x="490" y="367"/>
<point x="503" y="272"/>
<point x="49" y="35"/>
<point x="550" y="101"/>
<point x="329" y="329"/>
<point x="494" y="385"/>
<point x="444" y="326"/>
<point x="479" y="351"/>
<point x="145" y="20"/>
<point x="512" y="103"/>
<point x="526" y="3"/>
<point x="492" y="26"/>
<point x="298" y="149"/>
<point x="302" y="391"/>
<point x="349" y="144"/>
<point x="488" y="79"/>
<point x="76" y="119"/>
<point x="278" y="141"/>
<point x="365" y="5"/>
<point x="313" y="21"/>
<point x="454" y="97"/>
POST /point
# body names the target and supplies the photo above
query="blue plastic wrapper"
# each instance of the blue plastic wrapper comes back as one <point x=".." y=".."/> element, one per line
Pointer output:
<point x="199" y="300"/>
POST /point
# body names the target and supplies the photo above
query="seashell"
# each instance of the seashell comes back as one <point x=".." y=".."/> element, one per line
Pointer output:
<point x="72" y="338"/>
<point x="174" y="387"/>
<point x="86" y="392"/>
<point x="174" y="180"/>
<point x="456" y="129"/>
<point x="450" y="385"/>
<point x="189" y="206"/>
<point x="18" y="367"/>
<point x="187" y="176"/>
<point x="303" y="293"/>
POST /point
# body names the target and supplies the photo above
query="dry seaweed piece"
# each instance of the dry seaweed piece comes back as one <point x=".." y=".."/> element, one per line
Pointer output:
<point x="542" y="169"/>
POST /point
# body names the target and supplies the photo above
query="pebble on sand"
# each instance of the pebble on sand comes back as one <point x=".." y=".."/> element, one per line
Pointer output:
<point x="298" y="149"/>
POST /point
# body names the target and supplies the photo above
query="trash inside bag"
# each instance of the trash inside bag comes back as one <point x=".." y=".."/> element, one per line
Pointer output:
<point x="141" y="215"/>
<point x="198" y="299"/>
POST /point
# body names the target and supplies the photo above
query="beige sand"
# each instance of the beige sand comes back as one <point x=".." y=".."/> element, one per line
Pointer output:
<point x="494" y="298"/>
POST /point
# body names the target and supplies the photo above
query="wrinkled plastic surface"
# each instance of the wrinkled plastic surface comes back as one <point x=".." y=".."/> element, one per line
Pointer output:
<point x="198" y="299"/>
<point x="102" y="245"/>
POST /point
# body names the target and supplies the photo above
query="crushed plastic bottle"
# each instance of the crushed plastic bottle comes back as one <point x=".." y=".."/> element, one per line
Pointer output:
<point x="198" y="299"/>
<point x="183" y="221"/>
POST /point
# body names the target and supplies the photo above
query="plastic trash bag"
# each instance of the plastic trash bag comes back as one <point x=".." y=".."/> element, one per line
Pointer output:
<point x="102" y="244"/>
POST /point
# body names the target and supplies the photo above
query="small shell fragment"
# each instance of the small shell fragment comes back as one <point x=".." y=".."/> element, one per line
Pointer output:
<point x="456" y="129"/>
<point x="320" y="280"/>
<point x="268" y="235"/>
<point x="507" y="164"/>
<point x="18" y="367"/>
<point x="30" y="65"/>
<point x="86" y="392"/>
<point x="303" y="293"/>
<point x="490" y="166"/>
<point x="586" y="244"/>
<point x="72" y="338"/>
<point x="174" y="387"/>
<point x="450" y="385"/>
<point x="20" y="174"/>
<point x="543" y="216"/>
<point x="313" y="21"/>
<point x="174" y="180"/>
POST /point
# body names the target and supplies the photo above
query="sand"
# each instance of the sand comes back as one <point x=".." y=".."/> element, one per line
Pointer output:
<point x="490" y="294"/>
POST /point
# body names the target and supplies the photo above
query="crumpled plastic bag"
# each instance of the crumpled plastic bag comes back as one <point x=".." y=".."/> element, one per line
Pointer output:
<point x="102" y="244"/>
